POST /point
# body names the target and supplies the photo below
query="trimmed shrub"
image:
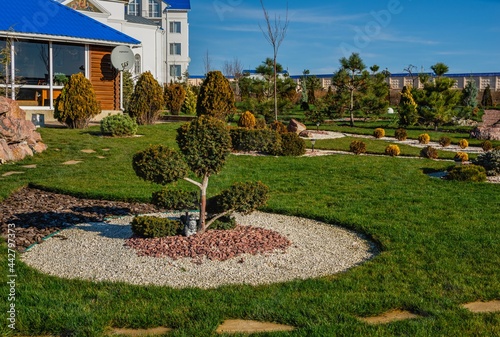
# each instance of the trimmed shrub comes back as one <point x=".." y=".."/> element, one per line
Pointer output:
<point x="357" y="147"/>
<point x="154" y="227"/>
<point x="240" y="197"/>
<point x="424" y="138"/>
<point x="174" y="96"/>
<point x="260" y="123"/>
<point x="487" y="146"/>
<point x="461" y="156"/>
<point x="444" y="141"/>
<point x="292" y="145"/>
<point x="429" y="152"/>
<point x="77" y="103"/>
<point x="490" y="161"/>
<point x="279" y="127"/>
<point x="379" y="133"/>
<point x="247" y="120"/>
<point x="118" y="126"/>
<point x="224" y="223"/>
<point x="400" y="134"/>
<point x="159" y="164"/>
<point x="473" y="173"/>
<point x="216" y="98"/>
<point x="261" y="140"/>
<point x="146" y="100"/>
<point x="463" y="143"/>
<point x="175" y="199"/>
<point x="392" y="150"/>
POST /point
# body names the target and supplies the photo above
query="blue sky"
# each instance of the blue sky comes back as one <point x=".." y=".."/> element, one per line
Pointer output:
<point x="393" y="34"/>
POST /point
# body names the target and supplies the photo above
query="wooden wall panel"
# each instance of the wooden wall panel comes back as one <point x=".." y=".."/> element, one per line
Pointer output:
<point x="104" y="78"/>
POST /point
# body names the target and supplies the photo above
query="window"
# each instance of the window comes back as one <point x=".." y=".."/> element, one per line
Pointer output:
<point x="175" y="27"/>
<point x="175" y="49"/>
<point x="137" y="64"/>
<point x="68" y="59"/>
<point x="32" y="62"/>
<point x="175" y="71"/>
<point x="154" y="9"/>
<point x="134" y="8"/>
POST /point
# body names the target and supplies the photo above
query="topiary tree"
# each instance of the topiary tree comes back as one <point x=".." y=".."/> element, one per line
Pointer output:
<point x="77" y="103"/>
<point x="146" y="100"/>
<point x="216" y="98"/>
<point x="204" y="145"/>
<point x="174" y="95"/>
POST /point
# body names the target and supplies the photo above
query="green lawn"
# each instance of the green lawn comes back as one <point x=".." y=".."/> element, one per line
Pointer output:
<point x="440" y="243"/>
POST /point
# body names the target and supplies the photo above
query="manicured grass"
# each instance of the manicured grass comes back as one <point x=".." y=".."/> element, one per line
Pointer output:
<point x="440" y="243"/>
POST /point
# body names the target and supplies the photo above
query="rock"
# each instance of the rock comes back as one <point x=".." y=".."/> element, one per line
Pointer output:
<point x="18" y="136"/>
<point x="296" y="126"/>
<point x="306" y="134"/>
<point x="486" y="133"/>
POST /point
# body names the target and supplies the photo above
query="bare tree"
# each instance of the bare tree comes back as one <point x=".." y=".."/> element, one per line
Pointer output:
<point x="207" y="62"/>
<point x="233" y="69"/>
<point x="274" y="33"/>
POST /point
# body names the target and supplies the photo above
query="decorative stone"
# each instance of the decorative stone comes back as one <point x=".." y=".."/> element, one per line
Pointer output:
<point x="296" y="126"/>
<point x="489" y="128"/>
<point x="306" y="134"/>
<point x="18" y="136"/>
<point x="190" y="226"/>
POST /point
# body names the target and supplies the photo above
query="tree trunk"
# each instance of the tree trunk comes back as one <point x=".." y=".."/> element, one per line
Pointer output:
<point x="352" y="108"/>
<point x="203" y="204"/>
<point x="275" y="91"/>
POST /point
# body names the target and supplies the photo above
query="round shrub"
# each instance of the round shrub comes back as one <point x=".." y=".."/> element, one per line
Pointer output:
<point x="392" y="150"/>
<point x="159" y="164"/>
<point x="224" y="223"/>
<point x="424" y="138"/>
<point x="357" y="147"/>
<point x="247" y="120"/>
<point x="444" y="141"/>
<point x="292" y="145"/>
<point x="154" y="227"/>
<point x="175" y="199"/>
<point x="242" y="197"/>
<point x="487" y="146"/>
<point x="474" y="173"/>
<point x="429" y="152"/>
<point x="490" y="161"/>
<point x="401" y="134"/>
<point x="261" y="140"/>
<point x="463" y="143"/>
<point x="77" y="103"/>
<point x="279" y="127"/>
<point x="461" y="156"/>
<point x="260" y="123"/>
<point x="379" y="133"/>
<point x="118" y="126"/>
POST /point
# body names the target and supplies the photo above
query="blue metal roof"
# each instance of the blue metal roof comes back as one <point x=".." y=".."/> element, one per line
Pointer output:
<point x="178" y="4"/>
<point x="50" y="18"/>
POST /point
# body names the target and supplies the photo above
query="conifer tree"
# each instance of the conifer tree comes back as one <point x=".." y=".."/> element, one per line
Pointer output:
<point x="469" y="94"/>
<point x="189" y="105"/>
<point x="216" y="98"/>
<point x="174" y="96"/>
<point x="146" y="100"/>
<point x="407" y="111"/>
<point x="487" y="98"/>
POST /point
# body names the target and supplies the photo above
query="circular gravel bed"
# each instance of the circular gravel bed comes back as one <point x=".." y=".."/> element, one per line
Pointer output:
<point x="97" y="251"/>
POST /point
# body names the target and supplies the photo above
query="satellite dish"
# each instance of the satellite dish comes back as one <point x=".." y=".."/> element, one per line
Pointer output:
<point x="122" y="58"/>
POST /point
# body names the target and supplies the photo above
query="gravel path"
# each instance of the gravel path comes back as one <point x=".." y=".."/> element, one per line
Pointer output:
<point x="96" y="251"/>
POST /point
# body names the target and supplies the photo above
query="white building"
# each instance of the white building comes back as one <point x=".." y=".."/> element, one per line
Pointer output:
<point x="163" y="52"/>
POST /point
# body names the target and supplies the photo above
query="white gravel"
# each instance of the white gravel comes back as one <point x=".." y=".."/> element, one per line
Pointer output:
<point x="96" y="252"/>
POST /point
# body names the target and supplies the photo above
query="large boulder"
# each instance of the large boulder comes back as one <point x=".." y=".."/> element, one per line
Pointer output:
<point x="18" y="136"/>
<point x="296" y="126"/>
<point x="490" y="127"/>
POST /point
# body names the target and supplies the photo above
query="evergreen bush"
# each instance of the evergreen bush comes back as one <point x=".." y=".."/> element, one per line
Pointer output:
<point x="241" y="197"/>
<point x="216" y="98"/>
<point x="189" y="105"/>
<point x="260" y="123"/>
<point x="261" y="140"/>
<point x="463" y="143"/>
<point x="154" y="227"/>
<point x="175" y="199"/>
<point x="146" y="101"/>
<point x="392" y="150"/>
<point x="247" y="120"/>
<point x="424" y="138"/>
<point x="279" y="127"/>
<point x="429" y="152"/>
<point x="490" y="161"/>
<point x="224" y="223"/>
<point x="400" y="134"/>
<point x="379" y="133"/>
<point x="461" y="156"/>
<point x="174" y="96"/>
<point x="292" y="145"/>
<point x="487" y="146"/>
<point x="444" y="141"/>
<point x="473" y="173"/>
<point x="77" y="103"/>
<point x="118" y="126"/>
<point x="357" y="147"/>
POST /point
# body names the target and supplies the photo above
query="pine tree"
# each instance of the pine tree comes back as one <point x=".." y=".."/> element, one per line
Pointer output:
<point x="469" y="94"/>
<point x="487" y="100"/>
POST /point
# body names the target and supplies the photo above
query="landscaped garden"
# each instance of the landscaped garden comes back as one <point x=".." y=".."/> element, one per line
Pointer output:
<point x="438" y="240"/>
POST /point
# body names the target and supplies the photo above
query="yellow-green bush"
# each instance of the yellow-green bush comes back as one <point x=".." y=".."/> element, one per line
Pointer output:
<point x="424" y="138"/>
<point x="487" y="146"/>
<point x="429" y="152"/>
<point x="357" y="147"/>
<point x="444" y="141"/>
<point x="379" y="133"/>
<point x="118" y="126"/>
<point x="260" y="123"/>
<point x="473" y="173"/>
<point x="463" y="143"/>
<point x="154" y="227"/>
<point x="401" y="134"/>
<point x="278" y="126"/>
<point x="392" y="150"/>
<point x="461" y="156"/>
<point x="247" y="120"/>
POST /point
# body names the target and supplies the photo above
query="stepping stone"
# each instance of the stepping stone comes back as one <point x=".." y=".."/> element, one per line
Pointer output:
<point x="478" y="307"/>
<point x="101" y="157"/>
<point x="29" y="166"/>
<point x="390" y="316"/>
<point x="245" y="326"/>
<point x="87" y="151"/>
<point x="106" y="149"/>
<point x="139" y="332"/>
<point x="6" y="174"/>
<point x="72" y="162"/>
